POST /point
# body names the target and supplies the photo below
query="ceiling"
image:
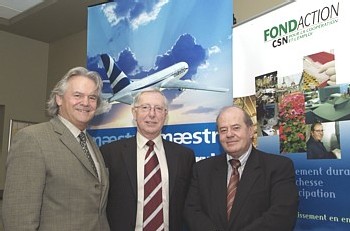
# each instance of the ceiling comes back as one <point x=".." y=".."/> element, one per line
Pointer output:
<point x="55" y="19"/>
<point x="52" y="20"/>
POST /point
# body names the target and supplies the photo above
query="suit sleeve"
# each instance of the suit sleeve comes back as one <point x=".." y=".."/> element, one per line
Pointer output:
<point x="282" y="213"/>
<point x="195" y="218"/>
<point x="24" y="185"/>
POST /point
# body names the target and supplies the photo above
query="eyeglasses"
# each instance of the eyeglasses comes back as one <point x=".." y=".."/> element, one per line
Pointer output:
<point x="147" y="108"/>
<point x="318" y="130"/>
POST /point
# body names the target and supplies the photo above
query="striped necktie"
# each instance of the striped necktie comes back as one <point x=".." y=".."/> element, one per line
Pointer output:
<point x="152" y="205"/>
<point x="232" y="186"/>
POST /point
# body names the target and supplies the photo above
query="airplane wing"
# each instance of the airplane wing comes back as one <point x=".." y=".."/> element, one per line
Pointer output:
<point x="115" y="98"/>
<point x="184" y="84"/>
<point x="128" y="99"/>
<point x="106" y="95"/>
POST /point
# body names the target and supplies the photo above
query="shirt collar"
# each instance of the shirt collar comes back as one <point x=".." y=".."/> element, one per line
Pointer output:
<point x="73" y="129"/>
<point x="243" y="158"/>
<point x="141" y="141"/>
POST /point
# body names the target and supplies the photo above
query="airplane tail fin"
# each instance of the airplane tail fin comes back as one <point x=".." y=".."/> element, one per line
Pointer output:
<point x="116" y="77"/>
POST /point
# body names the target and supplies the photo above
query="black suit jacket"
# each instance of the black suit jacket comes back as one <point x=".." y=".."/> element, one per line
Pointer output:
<point x="266" y="197"/>
<point x="120" y="159"/>
<point x="316" y="150"/>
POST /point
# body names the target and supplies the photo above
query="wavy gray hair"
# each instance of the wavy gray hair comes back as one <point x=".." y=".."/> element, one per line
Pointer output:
<point x="61" y="87"/>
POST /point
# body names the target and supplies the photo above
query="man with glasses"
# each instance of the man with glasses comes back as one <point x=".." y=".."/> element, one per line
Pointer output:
<point x="134" y="163"/>
<point x="314" y="146"/>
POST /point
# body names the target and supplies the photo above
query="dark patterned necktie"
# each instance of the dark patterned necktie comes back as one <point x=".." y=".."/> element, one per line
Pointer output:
<point x="152" y="205"/>
<point x="232" y="186"/>
<point x="83" y="144"/>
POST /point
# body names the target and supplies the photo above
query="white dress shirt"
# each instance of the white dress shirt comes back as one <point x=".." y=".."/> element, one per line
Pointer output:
<point x="141" y="153"/>
<point x="243" y="159"/>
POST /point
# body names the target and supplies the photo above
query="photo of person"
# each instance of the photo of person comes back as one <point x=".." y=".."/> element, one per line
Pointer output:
<point x="266" y="103"/>
<point x="323" y="142"/>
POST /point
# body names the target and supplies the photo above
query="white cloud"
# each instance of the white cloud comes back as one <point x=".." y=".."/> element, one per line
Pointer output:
<point x="109" y="11"/>
<point x="146" y="17"/>
<point x="142" y="19"/>
<point x="214" y="50"/>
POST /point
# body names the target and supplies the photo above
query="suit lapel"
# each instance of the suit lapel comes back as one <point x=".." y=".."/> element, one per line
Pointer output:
<point x="71" y="143"/>
<point x="251" y="172"/>
<point x="172" y="162"/>
<point x="103" y="170"/>
<point x="129" y="154"/>
<point x="219" y="188"/>
<point x="99" y="158"/>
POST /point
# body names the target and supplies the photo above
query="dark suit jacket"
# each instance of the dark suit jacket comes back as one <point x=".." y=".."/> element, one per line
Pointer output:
<point x="316" y="150"/>
<point x="50" y="184"/>
<point x="120" y="158"/>
<point x="266" y="197"/>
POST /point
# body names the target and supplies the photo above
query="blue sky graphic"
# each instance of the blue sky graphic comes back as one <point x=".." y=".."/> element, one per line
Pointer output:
<point x="147" y="36"/>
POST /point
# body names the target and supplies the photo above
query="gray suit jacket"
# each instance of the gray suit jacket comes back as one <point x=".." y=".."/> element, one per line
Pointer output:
<point x="50" y="184"/>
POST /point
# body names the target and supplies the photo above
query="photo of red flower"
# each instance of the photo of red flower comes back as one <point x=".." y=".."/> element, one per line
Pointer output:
<point x="292" y="126"/>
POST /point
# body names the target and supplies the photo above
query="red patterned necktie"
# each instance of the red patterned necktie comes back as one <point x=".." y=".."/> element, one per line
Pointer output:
<point x="232" y="186"/>
<point x="152" y="205"/>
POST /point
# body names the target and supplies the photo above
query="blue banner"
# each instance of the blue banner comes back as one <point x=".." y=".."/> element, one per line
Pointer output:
<point x="184" y="48"/>
<point x="202" y="138"/>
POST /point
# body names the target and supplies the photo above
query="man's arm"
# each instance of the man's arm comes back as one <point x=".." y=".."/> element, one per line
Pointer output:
<point x="24" y="185"/>
<point x="195" y="217"/>
<point x="284" y="201"/>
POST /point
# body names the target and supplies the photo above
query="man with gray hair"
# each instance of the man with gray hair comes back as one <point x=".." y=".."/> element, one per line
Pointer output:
<point x="149" y="176"/>
<point x="55" y="174"/>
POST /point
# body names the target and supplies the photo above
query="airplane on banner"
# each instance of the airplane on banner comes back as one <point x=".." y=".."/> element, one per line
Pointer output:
<point x="169" y="78"/>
